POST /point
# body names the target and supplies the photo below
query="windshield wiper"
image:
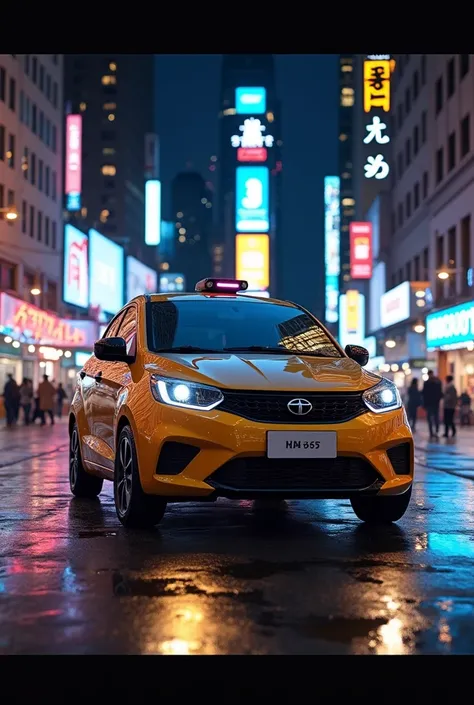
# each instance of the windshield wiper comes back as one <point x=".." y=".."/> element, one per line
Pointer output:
<point x="188" y="349"/>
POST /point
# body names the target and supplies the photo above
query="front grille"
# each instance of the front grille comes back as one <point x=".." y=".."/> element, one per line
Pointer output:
<point x="272" y="407"/>
<point x="400" y="457"/>
<point x="261" y="473"/>
<point x="174" y="457"/>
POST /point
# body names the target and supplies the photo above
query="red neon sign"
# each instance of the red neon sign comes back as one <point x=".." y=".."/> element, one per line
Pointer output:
<point x="252" y="154"/>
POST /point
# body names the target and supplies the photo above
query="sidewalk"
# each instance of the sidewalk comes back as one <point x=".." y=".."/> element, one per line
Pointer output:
<point x="454" y="455"/>
<point x="24" y="442"/>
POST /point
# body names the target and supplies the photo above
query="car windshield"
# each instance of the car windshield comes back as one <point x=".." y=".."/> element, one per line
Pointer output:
<point x="233" y="325"/>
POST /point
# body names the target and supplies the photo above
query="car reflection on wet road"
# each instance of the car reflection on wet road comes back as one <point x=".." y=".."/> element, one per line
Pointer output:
<point x="230" y="577"/>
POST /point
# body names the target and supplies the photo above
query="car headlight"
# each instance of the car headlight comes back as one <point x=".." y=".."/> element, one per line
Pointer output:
<point x="384" y="396"/>
<point x="186" y="395"/>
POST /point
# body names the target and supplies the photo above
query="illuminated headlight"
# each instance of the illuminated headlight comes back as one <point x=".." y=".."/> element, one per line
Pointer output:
<point x="383" y="397"/>
<point x="186" y="395"/>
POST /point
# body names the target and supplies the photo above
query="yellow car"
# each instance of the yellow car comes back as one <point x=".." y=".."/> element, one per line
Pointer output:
<point x="218" y="394"/>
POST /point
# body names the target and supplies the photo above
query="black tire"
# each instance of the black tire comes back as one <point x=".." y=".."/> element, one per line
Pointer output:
<point x="82" y="483"/>
<point x="381" y="510"/>
<point x="134" y="508"/>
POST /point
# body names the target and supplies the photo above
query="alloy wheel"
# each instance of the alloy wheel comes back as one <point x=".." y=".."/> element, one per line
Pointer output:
<point x="74" y="457"/>
<point x="124" y="476"/>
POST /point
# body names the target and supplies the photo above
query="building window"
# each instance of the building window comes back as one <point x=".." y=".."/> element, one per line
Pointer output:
<point x="439" y="95"/>
<point x="439" y="165"/>
<point x="417" y="268"/>
<point x="48" y="86"/>
<point x="24" y="163"/>
<point x="109" y="170"/>
<point x="39" y="234"/>
<point x="416" y="195"/>
<point x="12" y="95"/>
<point x="108" y="151"/>
<point x="416" y="140"/>
<point x="347" y="97"/>
<point x="34" y="118"/>
<point x="463" y="65"/>
<point x="408" y="272"/>
<point x="408" y="152"/>
<point x="40" y="174"/>
<point x="416" y="85"/>
<point x="46" y="230"/>
<point x="400" y="215"/>
<point x="450" y="78"/>
<point x="51" y="296"/>
<point x="110" y="80"/>
<point x="425" y="184"/>
<point x="54" y="185"/>
<point x="407" y="101"/>
<point x="53" y="234"/>
<point x="3" y="81"/>
<point x="408" y="204"/>
<point x="11" y="151"/>
<point x="55" y="94"/>
<point x="41" y="78"/>
<point x="466" y="248"/>
<point x="400" y="164"/>
<point x="423" y="127"/>
<point x="465" y="136"/>
<point x="110" y="106"/>
<point x="423" y="69"/>
<point x="2" y="142"/>
<point x="33" y="169"/>
<point x="27" y="64"/>
<point x="32" y="221"/>
<point x="55" y="59"/>
<point x="399" y="115"/>
<point x="46" y="180"/>
<point x="24" y="213"/>
<point x="54" y="136"/>
<point x="7" y="276"/>
<point x="34" y="69"/>
<point x="451" y="151"/>
<point x="41" y="126"/>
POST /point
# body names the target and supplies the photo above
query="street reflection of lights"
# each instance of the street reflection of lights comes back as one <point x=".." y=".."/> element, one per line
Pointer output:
<point x="391" y="603"/>
<point x="444" y="632"/>
<point x="179" y="647"/>
<point x="406" y="366"/>
<point x="421" y="542"/>
<point x="8" y="339"/>
<point x="394" y="367"/>
<point x="391" y="635"/>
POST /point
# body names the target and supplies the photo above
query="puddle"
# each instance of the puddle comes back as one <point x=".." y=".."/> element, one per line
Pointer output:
<point x="339" y="629"/>
<point x="451" y="545"/>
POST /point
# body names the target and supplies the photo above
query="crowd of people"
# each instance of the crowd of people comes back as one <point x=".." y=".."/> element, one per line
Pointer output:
<point x="20" y="400"/>
<point x="430" y="398"/>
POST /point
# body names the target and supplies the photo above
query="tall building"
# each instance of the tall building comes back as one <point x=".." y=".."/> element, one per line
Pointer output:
<point x="347" y="87"/>
<point x="31" y="160"/>
<point x="114" y="96"/>
<point x="249" y="171"/>
<point x="192" y="204"/>
<point x="433" y="212"/>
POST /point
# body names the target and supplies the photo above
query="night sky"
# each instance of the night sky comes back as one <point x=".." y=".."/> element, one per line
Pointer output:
<point x="187" y="104"/>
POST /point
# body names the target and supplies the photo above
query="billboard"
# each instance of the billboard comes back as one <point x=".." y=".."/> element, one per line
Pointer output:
<point x="351" y="318"/>
<point x="361" y="250"/>
<point x="140" y="279"/>
<point x="152" y="212"/>
<point x="105" y="273"/>
<point x="171" y="282"/>
<point x="250" y="101"/>
<point x="252" y="199"/>
<point x="451" y="328"/>
<point x="395" y="305"/>
<point x="376" y="99"/>
<point x="76" y="268"/>
<point x="252" y="260"/>
<point x="73" y="170"/>
<point x="332" y="246"/>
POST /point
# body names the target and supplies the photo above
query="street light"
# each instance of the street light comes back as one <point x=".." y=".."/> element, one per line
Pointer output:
<point x="11" y="213"/>
<point x="419" y="328"/>
<point x="35" y="291"/>
<point x="390" y="343"/>
<point x="443" y="274"/>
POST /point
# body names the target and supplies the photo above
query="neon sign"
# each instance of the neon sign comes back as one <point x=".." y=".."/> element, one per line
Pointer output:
<point x="377" y="75"/>
<point x="252" y="135"/>
<point x="73" y="176"/>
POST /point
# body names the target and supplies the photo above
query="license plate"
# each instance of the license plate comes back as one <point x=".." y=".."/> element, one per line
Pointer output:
<point x="301" y="444"/>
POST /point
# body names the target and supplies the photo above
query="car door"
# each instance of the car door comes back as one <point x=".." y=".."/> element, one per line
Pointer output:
<point x="114" y="377"/>
<point x="90" y="386"/>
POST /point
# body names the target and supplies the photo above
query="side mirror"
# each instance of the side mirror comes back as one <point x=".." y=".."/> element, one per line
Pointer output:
<point x="112" y="350"/>
<point x="358" y="354"/>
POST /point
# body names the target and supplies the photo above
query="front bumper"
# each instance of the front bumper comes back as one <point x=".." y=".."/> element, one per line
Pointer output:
<point x="190" y="455"/>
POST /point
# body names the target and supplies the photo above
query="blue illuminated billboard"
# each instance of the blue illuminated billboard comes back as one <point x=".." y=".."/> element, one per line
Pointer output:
<point x="331" y="246"/>
<point x="76" y="267"/>
<point x="250" y="101"/>
<point x="252" y="208"/>
<point x="106" y="281"/>
<point x="450" y="328"/>
<point x="152" y="212"/>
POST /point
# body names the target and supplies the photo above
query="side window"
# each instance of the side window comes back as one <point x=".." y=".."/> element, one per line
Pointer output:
<point x="112" y="330"/>
<point x="128" y="329"/>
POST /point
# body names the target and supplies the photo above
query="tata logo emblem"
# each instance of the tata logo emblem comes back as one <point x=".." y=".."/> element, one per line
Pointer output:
<point x="299" y="407"/>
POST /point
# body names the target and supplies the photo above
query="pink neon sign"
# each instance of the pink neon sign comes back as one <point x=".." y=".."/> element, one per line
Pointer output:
<point x="73" y="154"/>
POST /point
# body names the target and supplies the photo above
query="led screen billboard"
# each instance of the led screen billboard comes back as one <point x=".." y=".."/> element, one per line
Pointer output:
<point x="332" y="246"/>
<point x="73" y="169"/>
<point x="152" y="212"/>
<point x="252" y="199"/>
<point x="351" y="318"/>
<point x="76" y="268"/>
<point x="250" y="101"/>
<point x="106" y="273"/>
<point x="252" y="260"/>
<point x="450" y="328"/>
<point x="140" y="279"/>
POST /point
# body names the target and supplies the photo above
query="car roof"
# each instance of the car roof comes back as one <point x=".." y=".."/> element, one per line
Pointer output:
<point x="198" y="295"/>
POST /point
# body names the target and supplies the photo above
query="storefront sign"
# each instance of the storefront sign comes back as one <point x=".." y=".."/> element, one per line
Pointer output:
<point x="452" y="328"/>
<point x="395" y="305"/>
<point x="360" y="235"/>
<point x="377" y="75"/>
<point x="31" y="324"/>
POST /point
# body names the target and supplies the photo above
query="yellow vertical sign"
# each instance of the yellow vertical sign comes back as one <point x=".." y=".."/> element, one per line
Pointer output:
<point x="377" y="85"/>
<point x="252" y="260"/>
<point x="352" y="310"/>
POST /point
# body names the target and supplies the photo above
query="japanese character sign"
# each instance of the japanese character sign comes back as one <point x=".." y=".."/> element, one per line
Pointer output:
<point x="377" y="85"/>
<point x="376" y="167"/>
<point x="375" y="130"/>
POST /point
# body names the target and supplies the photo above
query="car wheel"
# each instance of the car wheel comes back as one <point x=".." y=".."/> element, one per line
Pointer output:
<point x="82" y="484"/>
<point x="134" y="508"/>
<point x="381" y="510"/>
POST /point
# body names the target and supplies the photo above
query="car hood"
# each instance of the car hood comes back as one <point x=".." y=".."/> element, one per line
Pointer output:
<point x="257" y="371"/>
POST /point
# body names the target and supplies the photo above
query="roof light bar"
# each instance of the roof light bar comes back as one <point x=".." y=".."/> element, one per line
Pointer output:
<point x="221" y="285"/>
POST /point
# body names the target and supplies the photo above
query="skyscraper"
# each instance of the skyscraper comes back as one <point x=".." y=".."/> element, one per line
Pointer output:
<point x="114" y="95"/>
<point x="347" y="76"/>
<point x="249" y="171"/>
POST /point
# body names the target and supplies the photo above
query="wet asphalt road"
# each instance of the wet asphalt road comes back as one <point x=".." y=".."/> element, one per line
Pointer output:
<point x="232" y="578"/>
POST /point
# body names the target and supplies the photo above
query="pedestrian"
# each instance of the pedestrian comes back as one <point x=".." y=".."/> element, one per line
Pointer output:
<point x="60" y="397"/>
<point x="450" y="404"/>
<point x="47" y="396"/>
<point x="413" y="403"/>
<point x="465" y="401"/>
<point x="432" y="394"/>
<point x="26" y="399"/>
<point x="11" y="400"/>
